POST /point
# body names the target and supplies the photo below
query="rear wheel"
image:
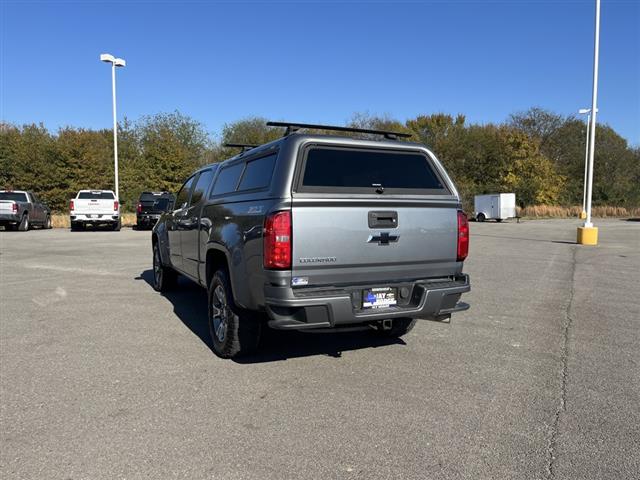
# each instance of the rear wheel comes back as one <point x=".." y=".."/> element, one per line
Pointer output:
<point x="399" y="327"/>
<point x="498" y="220"/>
<point x="164" y="278"/>
<point x="24" y="223"/>
<point x="116" y="226"/>
<point x="234" y="331"/>
<point x="47" y="222"/>
<point x="481" y="217"/>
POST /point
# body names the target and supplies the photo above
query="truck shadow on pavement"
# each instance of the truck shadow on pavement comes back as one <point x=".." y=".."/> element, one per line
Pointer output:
<point x="190" y="306"/>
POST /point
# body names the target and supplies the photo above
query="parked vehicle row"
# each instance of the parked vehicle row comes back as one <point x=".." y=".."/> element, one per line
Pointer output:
<point x="317" y="232"/>
<point x="101" y="207"/>
<point x="20" y="209"/>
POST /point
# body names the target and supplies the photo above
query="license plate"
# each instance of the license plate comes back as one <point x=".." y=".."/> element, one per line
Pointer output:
<point x="381" y="297"/>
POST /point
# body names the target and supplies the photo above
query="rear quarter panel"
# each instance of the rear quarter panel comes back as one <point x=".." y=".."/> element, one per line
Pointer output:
<point x="236" y="229"/>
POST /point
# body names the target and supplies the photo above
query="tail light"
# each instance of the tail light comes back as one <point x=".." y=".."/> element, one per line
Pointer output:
<point x="14" y="207"/>
<point x="139" y="208"/>
<point x="71" y="205"/>
<point x="463" y="236"/>
<point x="277" y="241"/>
<point x="115" y="206"/>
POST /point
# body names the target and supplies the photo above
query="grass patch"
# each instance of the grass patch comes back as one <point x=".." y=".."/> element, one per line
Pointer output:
<point x="534" y="211"/>
<point x="59" y="220"/>
<point x="551" y="211"/>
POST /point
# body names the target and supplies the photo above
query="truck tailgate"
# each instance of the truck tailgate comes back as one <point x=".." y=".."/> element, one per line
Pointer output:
<point x="94" y="206"/>
<point x="6" y="206"/>
<point x="353" y="241"/>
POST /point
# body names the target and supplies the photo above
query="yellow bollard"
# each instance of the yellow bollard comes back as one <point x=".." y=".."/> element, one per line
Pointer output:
<point x="588" y="235"/>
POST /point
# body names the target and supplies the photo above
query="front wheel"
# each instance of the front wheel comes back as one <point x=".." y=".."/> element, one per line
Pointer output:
<point x="24" y="223"/>
<point x="47" y="222"/>
<point x="399" y="328"/>
<point x="234" y="332"/>
<point x="481" y="217"/>
<point x="164" y="278"/>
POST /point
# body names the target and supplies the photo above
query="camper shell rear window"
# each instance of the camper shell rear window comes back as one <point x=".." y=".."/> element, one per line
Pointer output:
<point x="327" y="169"/>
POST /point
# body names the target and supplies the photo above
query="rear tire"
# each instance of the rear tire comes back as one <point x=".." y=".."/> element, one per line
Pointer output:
<point x="481" y="217"/>
<point x="164" y="278"/>
<point x="24" y="223"/>
<point x="498" y="220"/>
<point x="234" y="331"/>
<point x="399" y="327"/>
<point x="47" y="222"/>
<point x="117" y="226"/>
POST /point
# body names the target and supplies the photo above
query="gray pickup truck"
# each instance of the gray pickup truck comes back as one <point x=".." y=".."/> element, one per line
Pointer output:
<point x="21" y="209"/>
<point x="313" y="231"/>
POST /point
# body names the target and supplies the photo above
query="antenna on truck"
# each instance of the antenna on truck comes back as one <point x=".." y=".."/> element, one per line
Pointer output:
<point x="294" y="127"/>
<point x="243" y="146"/>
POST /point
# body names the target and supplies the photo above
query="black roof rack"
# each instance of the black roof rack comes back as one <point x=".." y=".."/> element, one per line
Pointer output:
<point x="243" y="146"/>
<point x="294" y="127"/>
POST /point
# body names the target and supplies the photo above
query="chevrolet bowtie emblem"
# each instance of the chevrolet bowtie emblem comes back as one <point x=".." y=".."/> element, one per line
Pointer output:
<point x="383" y="239"/>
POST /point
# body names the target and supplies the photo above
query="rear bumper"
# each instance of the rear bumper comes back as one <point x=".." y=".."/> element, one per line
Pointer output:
<point x="9" y="218"/>
<point x="94" y="218"/>
<point x="147" y="219"/>
<point x="430" y="299"/>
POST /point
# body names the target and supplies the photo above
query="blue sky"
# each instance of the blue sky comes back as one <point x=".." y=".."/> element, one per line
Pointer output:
<point x="316" y="61"/>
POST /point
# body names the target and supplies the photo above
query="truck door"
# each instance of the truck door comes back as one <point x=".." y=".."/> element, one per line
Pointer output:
<point x="36" y="209"/>
<point x="174" y="223"/>
<point x="191" y="226"/>
<point x="495" y="206"/>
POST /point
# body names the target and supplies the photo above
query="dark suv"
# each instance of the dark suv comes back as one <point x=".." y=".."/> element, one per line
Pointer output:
<point x="150" y="206"/>
<point x="317" y="232"/>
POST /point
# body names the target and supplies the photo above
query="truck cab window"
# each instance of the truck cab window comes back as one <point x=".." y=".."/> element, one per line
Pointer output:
<point x="202" y="185"/>
<point x="182" y="199"/>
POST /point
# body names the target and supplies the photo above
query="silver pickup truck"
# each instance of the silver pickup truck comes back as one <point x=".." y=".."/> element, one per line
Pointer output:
<point x="318" y="232"/>
<point x="20" y="209"/>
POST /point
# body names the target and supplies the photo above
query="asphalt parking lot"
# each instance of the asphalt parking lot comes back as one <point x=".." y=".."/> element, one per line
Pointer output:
<point x="102" y="377"/>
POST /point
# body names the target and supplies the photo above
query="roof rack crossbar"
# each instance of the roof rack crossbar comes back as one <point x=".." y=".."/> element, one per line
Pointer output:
<point x="294" y="127"/>
<point x="243" y="146"/>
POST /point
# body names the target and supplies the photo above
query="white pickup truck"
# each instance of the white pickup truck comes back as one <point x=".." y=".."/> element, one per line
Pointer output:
<point x="95" y="207"/>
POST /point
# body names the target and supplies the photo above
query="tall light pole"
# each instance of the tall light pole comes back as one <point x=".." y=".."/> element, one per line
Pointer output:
<point x="583" y="212"/>
<point x="588" y="234"/>
<point x="115" y="62"/>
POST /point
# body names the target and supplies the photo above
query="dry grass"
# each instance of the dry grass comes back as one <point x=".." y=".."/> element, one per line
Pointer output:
<point x="549" y="211"/>
<point x="62" y="221"/>
<point x="534" y="211"/>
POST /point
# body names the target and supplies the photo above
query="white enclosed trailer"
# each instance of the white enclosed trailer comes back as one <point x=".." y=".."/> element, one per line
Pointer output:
<point x="495" y="206"/>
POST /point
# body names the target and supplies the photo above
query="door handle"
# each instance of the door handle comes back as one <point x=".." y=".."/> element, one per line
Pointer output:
<point x="383" y="219"/>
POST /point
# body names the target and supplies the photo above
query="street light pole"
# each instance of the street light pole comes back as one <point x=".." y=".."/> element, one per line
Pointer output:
<point x="115" y="62"/>
<point x="583" y="212"/>
<point x="115" y="128"/>
<point x="588" y="234"/>
<point x="586" y="165"/>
